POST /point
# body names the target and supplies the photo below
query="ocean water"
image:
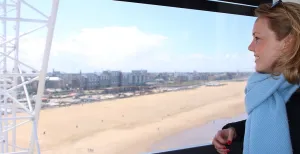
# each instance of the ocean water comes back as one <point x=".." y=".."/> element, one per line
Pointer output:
<point x="200" y="135"/>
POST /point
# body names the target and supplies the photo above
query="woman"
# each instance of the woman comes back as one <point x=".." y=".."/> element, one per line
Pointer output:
<point x="272" y="93"/>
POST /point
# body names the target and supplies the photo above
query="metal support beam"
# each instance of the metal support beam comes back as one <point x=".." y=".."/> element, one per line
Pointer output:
<point x="209" y="5"/>
<point x="12" y="82"/>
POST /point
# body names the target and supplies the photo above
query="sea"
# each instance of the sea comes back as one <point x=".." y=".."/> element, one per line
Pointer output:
<point x="193" y="137"/>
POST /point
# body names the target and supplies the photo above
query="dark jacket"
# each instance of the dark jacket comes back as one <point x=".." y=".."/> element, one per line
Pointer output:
<point x="293" y="113"/>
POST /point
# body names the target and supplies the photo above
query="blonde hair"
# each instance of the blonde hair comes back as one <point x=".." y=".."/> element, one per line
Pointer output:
<point x="284" y="21"/>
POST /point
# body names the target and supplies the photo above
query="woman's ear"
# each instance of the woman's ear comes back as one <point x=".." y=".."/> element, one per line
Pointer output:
<point x="286" y="43"/>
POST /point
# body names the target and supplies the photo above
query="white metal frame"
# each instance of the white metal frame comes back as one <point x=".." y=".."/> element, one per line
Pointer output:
<point x="9" y="85"/>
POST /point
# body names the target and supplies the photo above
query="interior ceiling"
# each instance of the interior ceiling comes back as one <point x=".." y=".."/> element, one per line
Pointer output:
<point x="238" y="7"/>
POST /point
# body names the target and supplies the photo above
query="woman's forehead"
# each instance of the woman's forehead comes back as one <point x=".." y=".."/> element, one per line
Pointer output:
<point x="261" y="27"/>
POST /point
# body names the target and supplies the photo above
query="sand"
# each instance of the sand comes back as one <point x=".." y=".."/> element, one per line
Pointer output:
<point x="132" y="125"/>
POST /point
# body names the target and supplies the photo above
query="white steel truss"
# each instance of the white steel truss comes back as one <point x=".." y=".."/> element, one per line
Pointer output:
<point x="14" y="82"/>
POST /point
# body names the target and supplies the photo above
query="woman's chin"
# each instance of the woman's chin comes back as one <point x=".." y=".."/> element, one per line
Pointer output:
<point x="260" y="70"/>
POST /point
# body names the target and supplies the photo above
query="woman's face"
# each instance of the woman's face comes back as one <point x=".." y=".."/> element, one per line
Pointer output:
<point x="265" y="47"/>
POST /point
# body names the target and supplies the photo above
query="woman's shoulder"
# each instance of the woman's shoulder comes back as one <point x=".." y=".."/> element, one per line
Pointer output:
<point x="297" y="92"/>
<point x="295" y="98"/>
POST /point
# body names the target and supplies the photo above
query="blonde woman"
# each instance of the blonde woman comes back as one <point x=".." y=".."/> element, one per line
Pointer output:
<point x="272" y="93"/>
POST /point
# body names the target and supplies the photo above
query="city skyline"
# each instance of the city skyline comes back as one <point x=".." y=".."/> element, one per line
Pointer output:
<point x="84" y="72"/>
<point x="59" y="80"/>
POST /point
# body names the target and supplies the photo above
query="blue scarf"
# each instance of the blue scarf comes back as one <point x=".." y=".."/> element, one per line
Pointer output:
<point x="267" y="128"/>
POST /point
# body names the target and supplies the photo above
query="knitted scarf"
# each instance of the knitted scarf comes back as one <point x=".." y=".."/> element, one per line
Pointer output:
<point x="267" y="129"/>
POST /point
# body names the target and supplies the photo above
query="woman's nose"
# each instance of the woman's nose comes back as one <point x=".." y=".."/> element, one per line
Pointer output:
<point x="251" y="47"/>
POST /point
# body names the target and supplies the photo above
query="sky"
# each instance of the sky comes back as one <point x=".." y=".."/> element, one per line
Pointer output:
<point x="109" y="35"/>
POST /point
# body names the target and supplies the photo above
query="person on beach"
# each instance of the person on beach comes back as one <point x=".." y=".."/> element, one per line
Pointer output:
<point x="272" y="95"/>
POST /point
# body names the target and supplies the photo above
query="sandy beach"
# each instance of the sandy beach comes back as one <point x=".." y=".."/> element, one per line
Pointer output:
<point x="133" y="125"/>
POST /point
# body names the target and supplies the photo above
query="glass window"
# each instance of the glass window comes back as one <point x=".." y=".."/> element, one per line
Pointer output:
<point x="183" y="71"/>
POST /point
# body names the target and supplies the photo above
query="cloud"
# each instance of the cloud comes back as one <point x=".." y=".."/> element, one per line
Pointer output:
<point x="93" y="48"/>
<point x="125" y="48"/>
